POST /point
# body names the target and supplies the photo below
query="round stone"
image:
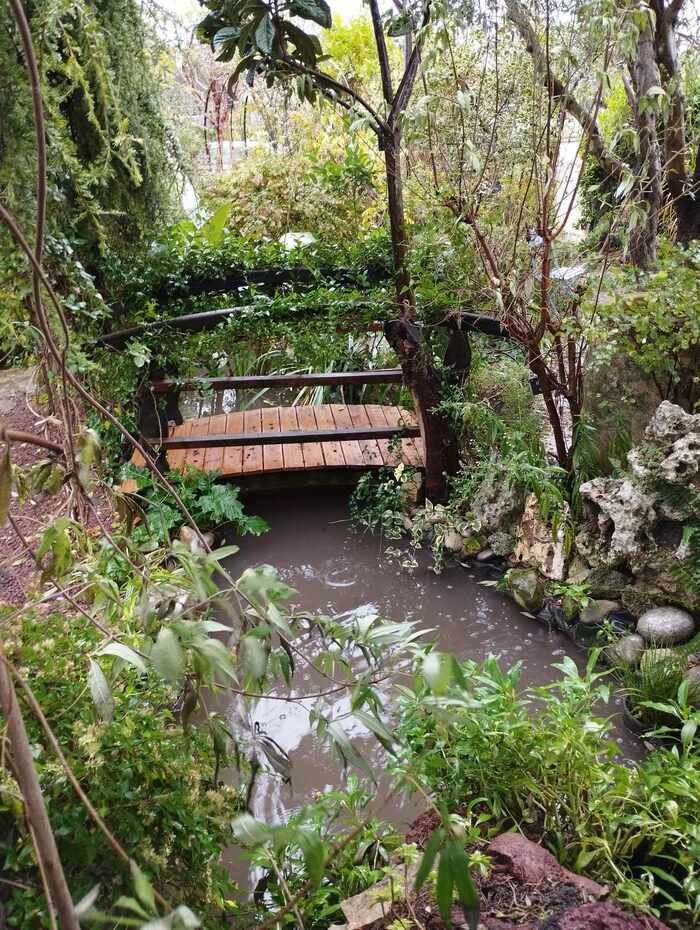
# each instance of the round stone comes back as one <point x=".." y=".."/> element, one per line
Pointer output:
<point x="626" y="651"/>
<point x="664" y="626"/>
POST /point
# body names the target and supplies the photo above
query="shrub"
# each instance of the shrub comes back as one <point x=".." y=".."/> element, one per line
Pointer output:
<point x="151" y="783"/>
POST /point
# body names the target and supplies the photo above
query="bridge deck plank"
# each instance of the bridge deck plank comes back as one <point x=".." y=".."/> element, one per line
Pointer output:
<point x="292" y="456"/>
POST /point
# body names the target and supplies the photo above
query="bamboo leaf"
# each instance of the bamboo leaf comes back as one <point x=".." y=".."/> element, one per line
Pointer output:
<point x="426" y="863"/>
<point x="101" y="692"/>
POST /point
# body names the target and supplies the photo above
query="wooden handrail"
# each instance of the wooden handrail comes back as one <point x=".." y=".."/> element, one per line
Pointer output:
<point x="371" y="376"/>
<point x="197" y="322"/>
<point x="214" y="440"/>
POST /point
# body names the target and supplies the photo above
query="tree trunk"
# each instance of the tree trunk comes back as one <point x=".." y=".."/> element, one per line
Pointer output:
<point x="405" y="337"/>
<point x="645" y="76"/>
<point x="34" y="808"/>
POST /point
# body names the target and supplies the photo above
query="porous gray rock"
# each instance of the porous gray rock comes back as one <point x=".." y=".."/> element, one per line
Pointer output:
<point x="486" y="555"/>
<point x="496" y="505"/>
<point x="502" y="543"/>
<point x="683" y="463"/>
<point x="596" y="611"/>
<point x="623" y="511"/>
<point x="665" y="626"/>
<point x="670" y="422"/>
<point x="538" y="545"/>
<point x="626" y="651"/>
<point x="607" y="583"/>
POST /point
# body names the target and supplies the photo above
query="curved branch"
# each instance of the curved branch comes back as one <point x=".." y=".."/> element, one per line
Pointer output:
<point x="611" y="164"/>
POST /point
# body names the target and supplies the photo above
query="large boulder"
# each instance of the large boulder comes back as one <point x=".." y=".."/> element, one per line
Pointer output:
<point x="538" y="545"/>
<point x="666" y="626"/>
<point x="623" y="513"/>
<point x="496" y="505"/>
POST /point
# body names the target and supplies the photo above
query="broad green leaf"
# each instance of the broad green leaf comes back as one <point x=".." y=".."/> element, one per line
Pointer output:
<point x="167" y="655"/>
<point x="426" y="863"/>
<point x="265" y="34"/>
<point x="213" y="229"/>
<point x="125" y="653"/>
<point x="316" y="10"/>
<point x="250" y="831"/>
<point x="254" y="656"/>
<point x="101" y="692"/>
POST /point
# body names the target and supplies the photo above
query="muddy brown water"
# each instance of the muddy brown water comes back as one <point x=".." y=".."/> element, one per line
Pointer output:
<point x="334" y="569"/>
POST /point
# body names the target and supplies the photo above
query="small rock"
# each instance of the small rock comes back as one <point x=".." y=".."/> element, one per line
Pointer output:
<point x="453" y="541"/>
<point x="606" y="915"/>
<point x="666" y="626"/>
<point x="532" y="864"/>
<point x="626" y="651"/>
<point x="526" y="588"/>
<point x="596" y="611"/>
<point x="555" y="616"/>
<point x="692" y="676"/>
<point x="486" y="555"/>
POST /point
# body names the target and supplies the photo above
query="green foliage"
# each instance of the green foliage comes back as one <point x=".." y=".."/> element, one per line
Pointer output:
<point x="259" y="34"/>
<point x="298" y="849"/>
<point x="211" y="504"/>
<point x="270" y="195"/>
<point x="653" y="318"/>
<point x="476" y="742"/>
<point x="111" y="160"/>
<point x="150" y="783"/>
<point x="380" y="500"/>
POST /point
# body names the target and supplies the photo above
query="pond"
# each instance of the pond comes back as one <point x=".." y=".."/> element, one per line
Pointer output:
<point x="334" y="569"/>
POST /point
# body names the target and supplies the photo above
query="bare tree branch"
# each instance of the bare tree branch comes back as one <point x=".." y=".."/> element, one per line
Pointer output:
<point x="612" y="165"/>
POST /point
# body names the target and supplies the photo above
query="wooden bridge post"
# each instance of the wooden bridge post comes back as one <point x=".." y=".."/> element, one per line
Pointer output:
<point x="422" y="380"/>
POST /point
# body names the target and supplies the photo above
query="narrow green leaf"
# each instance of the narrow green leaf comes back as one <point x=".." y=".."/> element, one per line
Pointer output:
<point x="84" y="906"/>
<point x="444" y="886"/>
<point x="143" y="888"/>
<point x="125" y="653"/>
<point x="167" y="655"/>
<point x="426" y="863"/>
<point x="466" y="889"/>
<point x="101" y="692"/>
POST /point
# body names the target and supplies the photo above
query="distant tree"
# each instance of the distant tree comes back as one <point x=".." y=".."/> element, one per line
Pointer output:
<point x="641" y="42"/>
<point x="269" y="44"/>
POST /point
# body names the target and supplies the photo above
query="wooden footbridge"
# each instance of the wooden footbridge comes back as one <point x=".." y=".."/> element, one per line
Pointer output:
<point x="343" y="438"/>
<point x="340" y="439"/>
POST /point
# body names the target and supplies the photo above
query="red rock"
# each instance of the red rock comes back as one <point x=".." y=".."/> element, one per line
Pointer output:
<point x="606" y="916"/>
<point x="531" y="863"/>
